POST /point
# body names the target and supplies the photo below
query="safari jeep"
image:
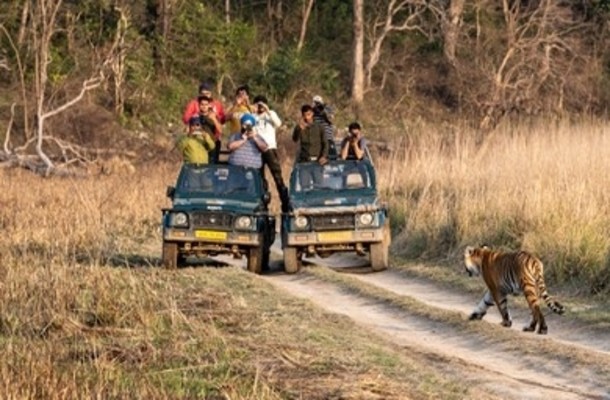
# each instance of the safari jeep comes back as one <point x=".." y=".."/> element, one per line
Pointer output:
<point x="218" y="209"/>
<point x="335" y="208"/>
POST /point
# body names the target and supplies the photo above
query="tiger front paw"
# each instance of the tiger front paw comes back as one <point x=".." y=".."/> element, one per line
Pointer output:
<point x="507" y="323"/>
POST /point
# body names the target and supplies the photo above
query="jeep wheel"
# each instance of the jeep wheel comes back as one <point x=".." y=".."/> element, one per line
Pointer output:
<point x="292" y="262"/>
<point x="255" y="260"/>
<point x="170" y="255"/>
<point x="379" y="251"/>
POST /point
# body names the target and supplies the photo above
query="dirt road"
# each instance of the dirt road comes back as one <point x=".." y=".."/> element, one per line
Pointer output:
<point x="497" y="371"/>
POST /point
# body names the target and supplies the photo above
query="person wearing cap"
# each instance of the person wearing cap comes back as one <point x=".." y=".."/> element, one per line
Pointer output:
<point x="246" y="146"/>
<point x="192" y="108"/>
<point x="267" y="122"/>
<point x="310" y="135"/>
<point x="353" y="146"/>
<point x="196" y="144"/>
<point x="241" y="106"/>
<point x="323" y="114"/>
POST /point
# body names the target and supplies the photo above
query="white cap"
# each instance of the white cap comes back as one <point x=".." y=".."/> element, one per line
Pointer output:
<point x="318" y="99"/>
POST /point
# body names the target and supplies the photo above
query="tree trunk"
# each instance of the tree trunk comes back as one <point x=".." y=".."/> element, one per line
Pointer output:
<point x="306" y="13"/>
<point x="228" y="11"/>
<point x="451" y="27"/>
<point x="358" y="66"/>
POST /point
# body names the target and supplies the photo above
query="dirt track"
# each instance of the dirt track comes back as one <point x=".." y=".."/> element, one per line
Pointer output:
<point x="495" y="371"/>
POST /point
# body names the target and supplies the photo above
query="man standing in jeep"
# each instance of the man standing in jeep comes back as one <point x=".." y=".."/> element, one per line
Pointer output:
<point x="267" y="122"/>
<point x="310" y="135"/>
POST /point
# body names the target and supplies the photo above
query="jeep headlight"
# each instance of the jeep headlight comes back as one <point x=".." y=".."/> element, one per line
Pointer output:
<point x="243" y="222"/>
<point x="366" y="219"/>
<point x="301" y="222"/>
<point x="179" y="220"/>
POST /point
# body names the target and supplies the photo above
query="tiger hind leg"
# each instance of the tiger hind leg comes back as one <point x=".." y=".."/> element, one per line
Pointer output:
<point x="481" y="308"/>
<point x="537" y="316"/>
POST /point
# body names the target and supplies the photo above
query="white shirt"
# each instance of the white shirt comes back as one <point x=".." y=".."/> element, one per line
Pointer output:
<point x="266" y="124"/>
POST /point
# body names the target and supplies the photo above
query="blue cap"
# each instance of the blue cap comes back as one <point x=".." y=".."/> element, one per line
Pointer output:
<point x="247" y="119"/>
<point x="195" y="120"/>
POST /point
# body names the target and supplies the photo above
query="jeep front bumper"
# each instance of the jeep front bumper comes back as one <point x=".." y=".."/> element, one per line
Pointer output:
<point x="213" y="237"/>
<point x="329" y="239"/>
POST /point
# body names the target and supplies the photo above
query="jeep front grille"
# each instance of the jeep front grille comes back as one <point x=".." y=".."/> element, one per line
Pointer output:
<point x="333" y="222"/>
<point x="212" y="220"/>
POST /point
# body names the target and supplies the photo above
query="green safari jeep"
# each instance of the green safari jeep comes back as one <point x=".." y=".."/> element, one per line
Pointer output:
<point x="335" y="208"/>
<point x="218" y="209"/>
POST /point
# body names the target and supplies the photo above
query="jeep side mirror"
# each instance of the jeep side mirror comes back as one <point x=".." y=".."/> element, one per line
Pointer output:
<point x="170" y="192"/>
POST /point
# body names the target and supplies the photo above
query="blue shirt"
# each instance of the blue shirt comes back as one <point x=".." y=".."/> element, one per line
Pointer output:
<point x="246" y="155"/>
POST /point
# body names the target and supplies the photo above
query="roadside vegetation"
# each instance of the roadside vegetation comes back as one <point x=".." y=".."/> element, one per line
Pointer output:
<point x="86" y="311"/>
<point x="540" y="187"/>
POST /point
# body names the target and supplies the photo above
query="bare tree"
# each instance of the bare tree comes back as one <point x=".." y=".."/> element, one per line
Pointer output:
<point x="395" y="16"/>
<point x="358" y="65"/>
<point x="451" y="25"/>
<point x="118" y="63"/>
<point x="306" y="13"/>
<point x="43" y="25"/>
<point x="21" y="73"/>
<point x="541" y="48"/>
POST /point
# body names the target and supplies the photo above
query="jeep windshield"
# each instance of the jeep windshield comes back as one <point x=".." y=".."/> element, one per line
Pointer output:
<point x="337" y="175"/>
<point x="218" y="180"/>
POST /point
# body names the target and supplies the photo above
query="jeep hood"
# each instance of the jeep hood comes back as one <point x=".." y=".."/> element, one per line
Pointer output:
<point x="337" y="201"/>
<point x="205" y="204"/>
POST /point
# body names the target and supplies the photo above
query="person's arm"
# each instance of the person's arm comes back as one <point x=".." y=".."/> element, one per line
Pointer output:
<point x="323" y="158"/>
<point x="296" y="133"/>
<point x="274" y="118"/>
<point x="208" y="142"/>
<point x="192" y="108"/>
<point x="358" y="150"/>
<point x="259" y="142"/>
<point x="217" y="125"/>
<point x="220" y="111"/>
<point x="232" y="109"/>
<point x="237" y="141"/>
<point x="344" y="149"/>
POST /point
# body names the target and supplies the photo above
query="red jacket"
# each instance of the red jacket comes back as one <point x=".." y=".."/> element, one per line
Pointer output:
<point x="192" y="108"/>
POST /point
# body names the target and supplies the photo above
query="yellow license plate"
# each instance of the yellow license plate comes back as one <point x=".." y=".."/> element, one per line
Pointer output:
<point x="334" y="236"/>
<point x="212" y="235"/>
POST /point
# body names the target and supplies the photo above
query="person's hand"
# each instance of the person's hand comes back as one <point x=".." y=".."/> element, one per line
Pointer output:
<point x="302" y="123"/>
<point x="322" y="160"/>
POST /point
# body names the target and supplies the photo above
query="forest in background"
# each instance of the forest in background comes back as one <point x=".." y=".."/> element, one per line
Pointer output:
<point x="79" y="76"/>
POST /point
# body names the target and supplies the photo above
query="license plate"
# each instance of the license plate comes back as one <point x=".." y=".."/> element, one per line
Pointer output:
<point x="334" y="236"/>
<point x="212" y="235"/>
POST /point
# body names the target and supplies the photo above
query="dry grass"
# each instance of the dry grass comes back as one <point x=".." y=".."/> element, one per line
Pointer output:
<point x="85" y="312"/>
<point x="76" y="323"/>
<point x="542" y="188"/>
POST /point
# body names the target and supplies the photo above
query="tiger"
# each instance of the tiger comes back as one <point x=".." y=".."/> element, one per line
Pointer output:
<point x="510" y="273"/>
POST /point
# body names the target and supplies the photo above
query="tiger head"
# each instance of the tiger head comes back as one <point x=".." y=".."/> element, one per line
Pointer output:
<point x="473" y="259"/>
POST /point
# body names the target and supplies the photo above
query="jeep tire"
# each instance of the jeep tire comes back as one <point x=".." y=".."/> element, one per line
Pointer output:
<point x="255" y="260"/>
<point x="379" y="251"/>
<point x="170" y="255"/>
<point x="292" y="262"/>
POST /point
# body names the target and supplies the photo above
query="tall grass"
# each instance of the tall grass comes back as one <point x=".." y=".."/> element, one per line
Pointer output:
<point x="76" y="323"/>
<point x="545" y="188"/>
